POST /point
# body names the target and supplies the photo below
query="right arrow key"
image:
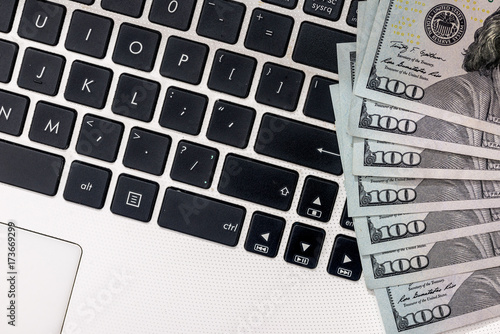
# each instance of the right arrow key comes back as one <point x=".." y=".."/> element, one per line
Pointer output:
<point x="345" y="261"/>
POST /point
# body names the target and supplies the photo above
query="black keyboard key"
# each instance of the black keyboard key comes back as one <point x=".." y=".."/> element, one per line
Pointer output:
<point x="299" y="143"/>
<point x="258" y="182"/>
<point x="41" y="71"/>
<point x="352" y="14"/>
<point x="221" y="20"/>
<point x="30" y="169"/>
<point x="8" y="55"/>
<point x="290" y="4"/>
<point x="264" y="234"/>
<point x="280" y="86"/>
<point x="89" y="34"/>
<point x="87" y="185"/>
<point x="184" y="60"/>
<point x="173" y="13"/>
<point x="231" y="124"/>
<point x="316" y="46"/>
<point x="88" y="84"/>
<point x="99" y="138"/>
<point x="194" y="164"/>
<point x="317" y="199"/>
<point x="135" y="97"/>
<point x="13" y="110"/>
<point x="147" y="151"/>
<point x="232" y="73"/>
<point x="7" y="13"/>
<point x="345" y="219"/>
<point x="201" y="217"/>
<point x="52" y="125"/>
<point x="183" y="110"/>
<point x="132" y="8"/>
<point x="345" y="261"/>
<point x="304" y="245"/>
<point x="134" y="198"/>
<point x="136" y="47"/>
<point x="318" y="103"/>
<point x="85" y="2"/>
<point x="42" y="21"/>
<point x="269" y="32"/>
<point x="329" y="10"/>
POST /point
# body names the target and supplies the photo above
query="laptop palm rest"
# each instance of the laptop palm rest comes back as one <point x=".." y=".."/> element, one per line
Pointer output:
<point x="37" y="277"/>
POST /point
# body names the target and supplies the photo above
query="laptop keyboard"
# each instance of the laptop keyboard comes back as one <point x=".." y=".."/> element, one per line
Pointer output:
<point x="182" y="134"/>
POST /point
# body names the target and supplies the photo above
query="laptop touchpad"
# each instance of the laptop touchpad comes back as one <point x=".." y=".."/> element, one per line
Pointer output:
<point x="37" y="273"/>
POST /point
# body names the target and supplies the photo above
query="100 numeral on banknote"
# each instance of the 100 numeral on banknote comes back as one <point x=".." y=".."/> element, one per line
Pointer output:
<point x="440" y="304"/>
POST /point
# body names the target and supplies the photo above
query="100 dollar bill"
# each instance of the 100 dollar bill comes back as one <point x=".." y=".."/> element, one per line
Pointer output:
<point x="382" y="159"/>
<point x="415" y="60"/>
<point x="375" y="196"/>
<point x="438" y="259"/>
<point x="440" y="304"/>
<point x="378" y="234"/>
<point x="375" y="120"/>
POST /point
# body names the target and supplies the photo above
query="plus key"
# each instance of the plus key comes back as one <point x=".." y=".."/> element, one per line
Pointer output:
<point x="269" y="32"/>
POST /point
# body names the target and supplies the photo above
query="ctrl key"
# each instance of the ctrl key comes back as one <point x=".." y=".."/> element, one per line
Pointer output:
<point x="87" y="185"/>
<point x="201" y="217"/>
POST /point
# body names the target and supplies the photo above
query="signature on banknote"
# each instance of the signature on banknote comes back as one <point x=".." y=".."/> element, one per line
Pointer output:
<point x="415" y="51"/>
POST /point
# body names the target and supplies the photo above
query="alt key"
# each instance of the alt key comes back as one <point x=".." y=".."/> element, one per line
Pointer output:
<point x="87" y="185"/>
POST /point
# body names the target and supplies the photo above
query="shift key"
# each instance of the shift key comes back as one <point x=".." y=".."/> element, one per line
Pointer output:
<point x="258" y="182"/>
<point x="30" y="169"/>
<point x="201" y="217"/>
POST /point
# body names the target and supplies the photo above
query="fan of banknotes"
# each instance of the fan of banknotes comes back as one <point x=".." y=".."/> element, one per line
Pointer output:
<point x="418" y="124"/>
